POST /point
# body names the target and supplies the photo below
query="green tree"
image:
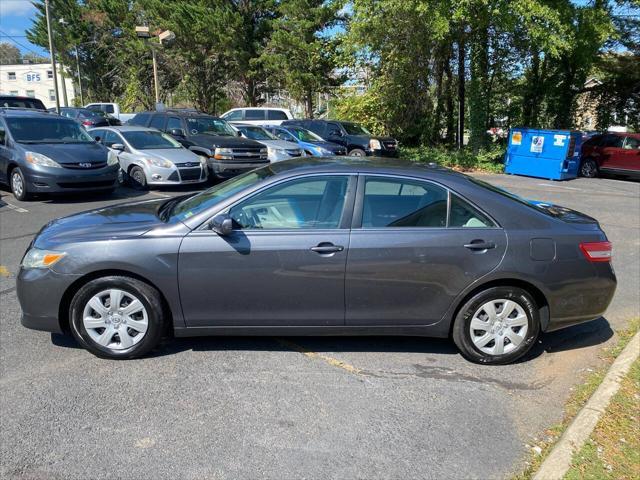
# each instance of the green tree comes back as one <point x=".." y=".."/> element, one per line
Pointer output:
<point x="9" y="54"/>
<point x="300" y="55"/>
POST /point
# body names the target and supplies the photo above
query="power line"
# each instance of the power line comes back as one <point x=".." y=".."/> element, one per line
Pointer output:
<point x="3" y="34"/>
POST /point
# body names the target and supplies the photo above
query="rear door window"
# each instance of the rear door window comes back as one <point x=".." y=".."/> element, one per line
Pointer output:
<point x="391" y="202"/>
<point x="463" y="215"/>
<point x="612" y="141"/>
<point x="254" y="114"/>
<point x="234" y="116"/>
<point x="632" y="143"/>
<point x="173" y="122"/>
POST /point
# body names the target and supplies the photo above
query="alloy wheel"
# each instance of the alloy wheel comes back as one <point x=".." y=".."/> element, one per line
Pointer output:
<point x="115" y="319"/>
<point x="499" y="327"/>
<point x="17" y="185"/>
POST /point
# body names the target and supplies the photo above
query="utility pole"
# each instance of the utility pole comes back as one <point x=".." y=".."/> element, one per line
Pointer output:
<point x="52" y="54"/>
<point x="155" y="74"/>
<point x="79" y="78"/>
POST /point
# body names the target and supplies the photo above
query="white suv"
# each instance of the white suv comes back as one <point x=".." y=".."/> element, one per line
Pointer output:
<point x="258" y="115"/>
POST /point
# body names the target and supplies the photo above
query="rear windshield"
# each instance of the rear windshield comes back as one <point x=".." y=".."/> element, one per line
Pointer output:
<point x="555" y="211"/>
<point x="47" y="130"/>
<point x="143" y="140"/>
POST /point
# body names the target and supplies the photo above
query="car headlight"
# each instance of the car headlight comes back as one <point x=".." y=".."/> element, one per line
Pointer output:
<point x="36" y="258"/>
<point x="275" y="151"/>
<point x="203" y="160"/>
<point x="159" y="162"/>
<point x="112" y="158"/>
<point x="36" y="158"/>
<point x="324" y="151"/>
<point x="223" y="154"/>
<point x="375" y="144"/>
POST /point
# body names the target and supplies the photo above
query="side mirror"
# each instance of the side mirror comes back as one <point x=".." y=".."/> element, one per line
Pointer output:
<point x="177" y="132"/>
<point x="97" y="139"/>
<point x="239" y="133"/>
<point x="118" y="146"/>
<point x="222" y="224"/>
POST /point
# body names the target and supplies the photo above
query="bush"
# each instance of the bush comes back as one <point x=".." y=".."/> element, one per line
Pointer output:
<point x="490" y="160"/>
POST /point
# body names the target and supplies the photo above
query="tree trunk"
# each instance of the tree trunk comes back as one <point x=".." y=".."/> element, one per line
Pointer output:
<point x="478" y="113"/>
<point x="461" y="85"/>
<point x="308" y="105"/>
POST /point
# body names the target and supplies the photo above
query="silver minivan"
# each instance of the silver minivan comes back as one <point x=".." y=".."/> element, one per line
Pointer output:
<point x="149" y="157"/>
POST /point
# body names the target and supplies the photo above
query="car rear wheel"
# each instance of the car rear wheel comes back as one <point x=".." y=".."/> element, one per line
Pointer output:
<point x="357" y="152"/>
<point x="137" y="178"/>
<point x="117" y="317"/>
<point x="19" y="185"/>
<point x="589" y="168"/>
<point x="497" y="326"/>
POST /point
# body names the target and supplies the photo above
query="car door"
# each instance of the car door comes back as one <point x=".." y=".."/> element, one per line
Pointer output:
<point x="126" y="157"/>
<point x="335" y="134"/>
<point x="283" y="264"/>
<point x="608" y="152"/>
<point x="5" y="153"/>
<point x="628" y="158"/>
<point x="411" y="254"/>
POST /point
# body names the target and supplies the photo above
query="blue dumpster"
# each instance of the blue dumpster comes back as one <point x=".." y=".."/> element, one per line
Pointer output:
<point x="552" y="154"/>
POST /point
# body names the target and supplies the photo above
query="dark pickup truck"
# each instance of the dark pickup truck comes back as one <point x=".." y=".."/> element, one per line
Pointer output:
<point x="355" y="138"/>
<point x="208" y="136"/>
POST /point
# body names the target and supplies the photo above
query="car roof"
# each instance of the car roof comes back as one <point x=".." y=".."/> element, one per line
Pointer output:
<point x="14" y="112"/>
<point x="371" y="165"/>
<point x="257" y="108"/>
<point x="126" y="128"/>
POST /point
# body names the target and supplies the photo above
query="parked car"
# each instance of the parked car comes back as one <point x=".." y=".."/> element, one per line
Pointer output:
<point x="88" y="118"/>
<point x="277" y="150"/>
<point x="15" y="101"/>
<point x="213" y="138"/>
<point x="311" y="143"/>
<point x="355" y="138"/>
<point x="112" y="109"/>
<point x="44" y="153"/>
<point x="613" y="153"/>
<point x="317" y="246"/>
<point x="149" y="157"/>
<point x="257" y="115"/>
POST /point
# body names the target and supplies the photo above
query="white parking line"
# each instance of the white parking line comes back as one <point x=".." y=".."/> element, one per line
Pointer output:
<point x="559" y="186"/>
<point x="16" y="208"/>
<point x="158" y="194"/>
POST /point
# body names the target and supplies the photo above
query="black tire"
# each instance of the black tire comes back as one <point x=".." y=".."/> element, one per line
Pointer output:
<point x="18" y="185"/>
<point x="137" y="178"/>
<point x="462" y="324"/>
<point x="589" y="168"/>
<point x="357" y="152"/>
<point x="147" y="295"/>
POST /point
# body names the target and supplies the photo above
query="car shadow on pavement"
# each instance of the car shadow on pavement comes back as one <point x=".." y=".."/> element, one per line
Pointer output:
<point x="573" y="338"/>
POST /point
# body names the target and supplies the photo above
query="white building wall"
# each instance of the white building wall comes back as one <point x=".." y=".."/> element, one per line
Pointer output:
<point x="35" y="80"/>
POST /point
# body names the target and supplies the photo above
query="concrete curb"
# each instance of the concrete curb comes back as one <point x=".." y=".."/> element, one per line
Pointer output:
<point x="556" y="465"/>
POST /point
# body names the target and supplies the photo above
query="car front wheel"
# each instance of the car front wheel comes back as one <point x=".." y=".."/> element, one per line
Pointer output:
<point x="357" y="152"/>
<point x="19" y="185"/>
<point x="117" y="317"/>
<point x="497" y="326"/>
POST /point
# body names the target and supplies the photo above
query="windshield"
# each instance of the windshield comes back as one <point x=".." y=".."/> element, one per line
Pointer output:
<point x="256" y="133"/>
<point x="207" y="199"/>
<point x="47" y="130"/>
<point x="355" y="129"/>
<point x="143" y="140"/>
<point x="305" y="135"/>
<point x="209" y="125"/>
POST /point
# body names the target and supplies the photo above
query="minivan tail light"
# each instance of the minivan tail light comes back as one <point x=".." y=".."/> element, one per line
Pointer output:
<point x="597" y="251"/>
<point x="87" y="123"/>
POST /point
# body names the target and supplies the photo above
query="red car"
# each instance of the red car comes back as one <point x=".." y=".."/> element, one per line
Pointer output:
<point x="614" y="153"/>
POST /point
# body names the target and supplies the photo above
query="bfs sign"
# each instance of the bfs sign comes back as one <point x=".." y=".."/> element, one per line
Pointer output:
<point x="32" y="77"/>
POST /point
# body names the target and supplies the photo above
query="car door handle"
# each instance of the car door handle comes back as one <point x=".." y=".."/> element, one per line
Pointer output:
<point x="480" y="245"/>
<point x="324" y="248"/>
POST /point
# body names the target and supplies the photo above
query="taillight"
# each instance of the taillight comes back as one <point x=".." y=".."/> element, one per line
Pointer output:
<point x="597" y="251"/>
<point x="87" y="123"/>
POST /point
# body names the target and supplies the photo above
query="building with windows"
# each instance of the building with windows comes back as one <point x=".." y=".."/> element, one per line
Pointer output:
<point x="35" y="80"/>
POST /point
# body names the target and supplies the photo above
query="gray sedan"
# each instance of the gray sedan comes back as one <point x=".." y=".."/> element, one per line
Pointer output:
<point x="321" y="247"/>
<point x="150" y="157"/>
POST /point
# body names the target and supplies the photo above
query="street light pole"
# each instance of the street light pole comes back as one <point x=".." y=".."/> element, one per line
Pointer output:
<point x="52" y="54"/>
<point x="155" y="74"/>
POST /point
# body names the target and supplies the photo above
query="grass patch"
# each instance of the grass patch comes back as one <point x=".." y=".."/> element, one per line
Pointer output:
<point x="463" y="160"/>
<point x="613" y="450"/>
<point x="577" y="400"/>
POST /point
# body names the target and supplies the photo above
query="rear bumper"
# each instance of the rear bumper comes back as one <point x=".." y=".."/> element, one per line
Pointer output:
<point x="72" y="181"/>
<point x="40" y="292"/>
<point x="582" y="301"/>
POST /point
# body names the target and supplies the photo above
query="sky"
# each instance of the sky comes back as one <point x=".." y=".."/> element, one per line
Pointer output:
<point x="15" y="18"/>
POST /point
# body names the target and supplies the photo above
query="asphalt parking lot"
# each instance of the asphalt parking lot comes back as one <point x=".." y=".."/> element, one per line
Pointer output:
<point x="292" y="407"/>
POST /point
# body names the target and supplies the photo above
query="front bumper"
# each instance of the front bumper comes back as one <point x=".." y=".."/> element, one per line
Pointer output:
<point x="231" y="168"/>
<point x="40" y="291"/>
<point x="177" y="175"/>
<point x="61" y="180"/>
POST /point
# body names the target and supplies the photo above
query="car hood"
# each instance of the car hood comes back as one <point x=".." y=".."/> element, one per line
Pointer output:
<point x="70" y="152"/>
<point x="222" y="141"/>
<point x="125" y="220"/>
<point x="175" y="155"/>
